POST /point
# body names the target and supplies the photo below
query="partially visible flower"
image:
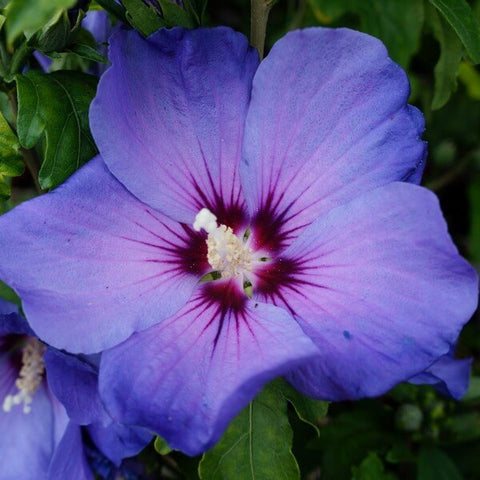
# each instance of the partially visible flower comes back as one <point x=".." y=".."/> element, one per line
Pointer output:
<point x="35" y="424"/>
<point x="244" y="221"/>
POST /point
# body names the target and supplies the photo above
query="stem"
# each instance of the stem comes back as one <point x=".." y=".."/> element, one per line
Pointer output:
<point x="260" y="10"/>
<point x="30" y="161"/>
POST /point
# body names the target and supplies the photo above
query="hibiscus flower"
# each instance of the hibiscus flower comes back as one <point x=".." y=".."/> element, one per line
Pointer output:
<point x="244" y="221"/>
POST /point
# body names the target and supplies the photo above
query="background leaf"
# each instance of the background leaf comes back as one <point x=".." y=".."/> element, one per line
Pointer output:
<point x="256" y="445"/>
<point x="446" y="69"/>
<point x="309" y="410"/>
<point x="398" y="23"/>
<point x="29" y="15"/>
<point x="11" y="161"/>
<point x="142" y="17"/>
<point x="460" y="16"/>
<point x="54" y="107"/>
<point x="433" y="464"/>
<point x="371" y="468"/>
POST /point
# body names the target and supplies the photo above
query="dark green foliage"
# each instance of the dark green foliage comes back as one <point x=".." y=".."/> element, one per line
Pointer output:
<point x="54" y="108"/>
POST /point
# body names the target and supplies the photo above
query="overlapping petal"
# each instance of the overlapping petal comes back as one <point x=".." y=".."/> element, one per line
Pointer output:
<point x="169" y="114"/>
<point x="199" y="368"/>
<point x="69" y="459"/>
<point x="380" y="288"/>
<point x="74" y="381"/>
<point x="448" y="375"/>
<point x="102" y="265"/>
<point x="117" y="441"/>
<point x="328" y="120"/>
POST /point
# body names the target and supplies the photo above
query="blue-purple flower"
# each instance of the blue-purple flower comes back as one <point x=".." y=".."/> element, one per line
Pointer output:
<point x="42" y="437"/>
<point x="244" y="221"/>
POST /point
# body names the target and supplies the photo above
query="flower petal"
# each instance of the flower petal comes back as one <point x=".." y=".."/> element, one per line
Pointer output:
<point x="169" y="114"/>
<point x="93" y="264"/>
<point x="328" y="120"/>
<point x="26" y="443"/>
<point x="448" y="375"/>
<point x="118" y="441"/>
<point x="187" y="377"/>
<point x="379" y="287"/>
<point x="69" y="459"/>
<point x="75" y="383"/>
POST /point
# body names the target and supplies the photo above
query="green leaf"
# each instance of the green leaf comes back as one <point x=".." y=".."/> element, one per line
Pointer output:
<point x="349" y="436"/>
<point x="142" y="17"/>
<point x="398" y="23"/>
<point x="54" y="107"/>
<point x="11" y="161"/>
<point x="28" y="15"/>
<point x="371" y="468"/>
<point x="161" y="446"/>
<point x="446" y="69"/>
<point x="326" y="11"/>
<point x="471" y="79"/>
<point x="87" y="52"/>
<point x="460" y="16"/>
<point x="434" y="464"/>
<point x="175" y="15"/>
<point x="256" y="445"/>
<point x="474" y="203"/>
<point x="309" y="410"/>
<point x="8" y="294"/>
<point x="473" y="394"/>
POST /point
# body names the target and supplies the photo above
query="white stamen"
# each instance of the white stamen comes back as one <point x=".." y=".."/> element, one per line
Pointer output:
<point x="205" y="219"/>
<point x="226" y="252"/>
<point x="29" y="378"/>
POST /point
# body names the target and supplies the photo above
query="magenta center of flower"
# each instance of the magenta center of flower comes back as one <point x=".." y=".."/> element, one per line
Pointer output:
<point x="227" y="254"/>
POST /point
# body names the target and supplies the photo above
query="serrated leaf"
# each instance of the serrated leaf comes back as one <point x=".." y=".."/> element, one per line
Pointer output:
<point x="256" y="445"/>
<point x="142" y="17"/>
<point x="309" y="410"/>
<point x="434" y="464"/>
<point x="161" y="446"/>
<point x="460" y="16"/>
<point x="54" y="107"/>
<point x="28" y="15"/>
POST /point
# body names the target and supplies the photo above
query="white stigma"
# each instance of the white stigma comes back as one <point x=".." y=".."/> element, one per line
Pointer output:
<point x="29" y="378"/>
<point x="226" y="254"/>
